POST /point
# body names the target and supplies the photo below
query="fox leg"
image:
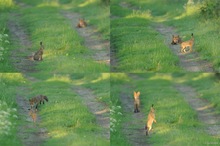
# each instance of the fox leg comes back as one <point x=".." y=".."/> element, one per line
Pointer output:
<point x="191" y="49"/>
<point x="148" y="130"/>
<point x="135" y="109"/>
<point x="138" y="108"/>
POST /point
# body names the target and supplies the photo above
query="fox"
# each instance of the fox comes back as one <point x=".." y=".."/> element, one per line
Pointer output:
<point x="150" y="120"/>
<point x="175" y="40"/>
<point x="33" y="114"/>
<point x="37" y="100"/>
<point x="186" y="44"/>
<point x="136" y="102"/>
<point x="38" y="56"/>
<point x="81" y="23"/>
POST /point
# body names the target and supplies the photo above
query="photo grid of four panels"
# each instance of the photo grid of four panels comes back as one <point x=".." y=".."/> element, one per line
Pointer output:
<point x="109" y="73"/>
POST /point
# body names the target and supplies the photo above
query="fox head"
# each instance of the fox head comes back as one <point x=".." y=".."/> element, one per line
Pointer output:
<point x="152" y="109"/>
<point x="45" y="97"/>
<point x="136" y="95"/>
<point x="176" y="39"/>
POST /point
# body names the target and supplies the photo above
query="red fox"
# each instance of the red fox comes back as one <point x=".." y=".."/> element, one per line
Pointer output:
<point x="38" y="56"/>
<point x="150" y="120"/>
<point x="186" y="44"/>
<point x="136" y="102"/>
<point x="33" y="114"/>
<point x="176" y="40"/>
<point x="81" y="23"/>
<point x="37" y="100"/>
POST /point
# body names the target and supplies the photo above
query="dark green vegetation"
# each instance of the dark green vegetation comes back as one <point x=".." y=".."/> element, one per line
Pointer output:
<point x="139" y="48"/>
<point x="177" y="122"/>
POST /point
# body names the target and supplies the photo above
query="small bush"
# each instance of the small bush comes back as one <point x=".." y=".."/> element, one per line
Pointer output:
<point x="210" y="9"/>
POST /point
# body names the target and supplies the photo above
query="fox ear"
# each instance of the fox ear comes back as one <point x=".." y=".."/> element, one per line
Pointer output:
<point x="138" y="93"/>
<point x="135" y="93"/>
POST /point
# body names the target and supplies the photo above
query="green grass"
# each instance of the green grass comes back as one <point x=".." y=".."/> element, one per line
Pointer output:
<point x="5" y="41"/>
<point x="138" y="47"/>
<point x="186" y="19"/>
<point x="8" y="108"/>
<point x="95" y="12"/>
<point x="206" y="84"/>
<point x="64" y="50"/>
<point x="67" y="119"/>
<point x="177" y="123"/>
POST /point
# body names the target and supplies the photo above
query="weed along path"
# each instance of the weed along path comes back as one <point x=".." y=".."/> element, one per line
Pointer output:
<point x="100" y="110"/>
<point x="19" y="56"/>
<point x="133" y="129"/>
<point x="29" y="132"/>
<point x="190" y="61"/>
<point x="205" y="111"/>
<point x="92" y="39"/>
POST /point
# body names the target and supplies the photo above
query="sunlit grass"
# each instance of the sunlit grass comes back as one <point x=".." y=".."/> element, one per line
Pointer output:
<point x="177" y="123"/>
<point x="65" y="116"/>
<point x="64" y="51"/>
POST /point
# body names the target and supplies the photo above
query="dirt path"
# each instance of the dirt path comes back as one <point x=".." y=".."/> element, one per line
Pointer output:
<point x="21" y="51"/>
<point x="100" y="110"/>
<point x="206" y="112"/>
<point x="29" y="133"/>
<point x="92" y="39"/>
<point x="189" y="61"/>
<point x="134" y="129"/>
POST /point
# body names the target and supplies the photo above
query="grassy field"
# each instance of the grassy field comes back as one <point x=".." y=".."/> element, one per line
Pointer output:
<point x="177" y="123"/>
<point x="64" y="50"/>
<point x="67" y="119"/>
<point x="153" y="55"/>
<point x="138" y="47"/>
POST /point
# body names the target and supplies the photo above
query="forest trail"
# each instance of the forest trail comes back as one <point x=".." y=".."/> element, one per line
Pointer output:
<point x="92" y="39"/>
<point x="191" y="62"/>
<point x="100" y="110"/>
<point x="30" y="133"/>
<point x="205" y="111"/>
<point x="19" y="56"/>
<point x="134" y="129"/>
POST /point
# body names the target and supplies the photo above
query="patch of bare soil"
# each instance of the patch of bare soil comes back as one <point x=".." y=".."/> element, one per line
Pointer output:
<point x="100" y="110"/>
<point x="134" y="129"/>
<point x="189" y="61"/>
<point x="92" y="39"/>
<point x="30" y="133"/>
<point x="206" y="112"/>
<point x="19" y="55"/>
